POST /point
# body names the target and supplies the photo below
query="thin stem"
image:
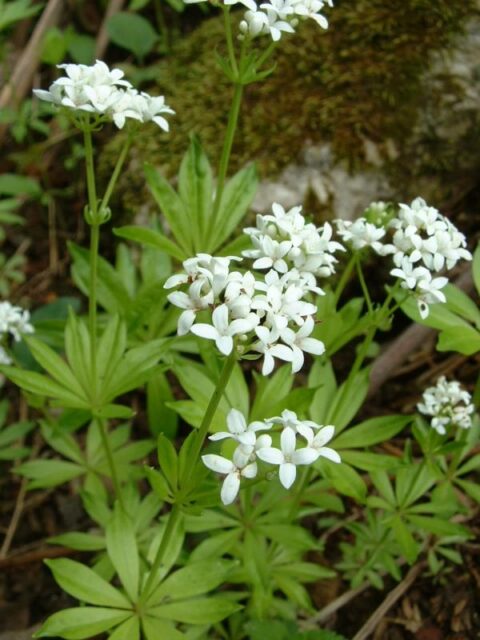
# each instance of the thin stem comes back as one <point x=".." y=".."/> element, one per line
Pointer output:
<point x="91" y="186"/>
<point x="229" y="36"/>
<point x="116" y="172"/>
<point x="302" y="485"/>
<point x="345" y="277"/>
<point x="226" y="151"/>
<point x="202" y="432"/>
<point x="266" y="54"/>
<point x="172" y="521"/>
<point x="111" y="462"/>
<point x="92" y="300"/>
<point x="363" y="284"/>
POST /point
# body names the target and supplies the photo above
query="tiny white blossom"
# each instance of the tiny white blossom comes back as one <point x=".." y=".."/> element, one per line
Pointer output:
<point x="223" y="330"/>
<point x="287" y="457"/>
<point x="239" y="430"/>
<point x="14" y="320"/>
<point x="447" y="404"/>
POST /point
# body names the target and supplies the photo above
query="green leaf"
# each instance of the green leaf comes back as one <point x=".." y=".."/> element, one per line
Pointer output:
<point x="437" y="526"/>
<point x="344" y="479"/>
<point x="348" y="400"/>
<point x="154" y="629"/>
<point x="132" y="32"/>
<point x="158" y="483"/>
<point x="14" y="185"/>
<point x="49" y="473"/>
<point x="172" y="208"/>
<point x="43" y="386"/>
<point x="79" y="541"/>
<point x="54" y="365"/>
<point x="460" y="303"/>
<point x="236" y="199"/>
<point x="110" y="349"/>
<point x="197" y="611"/>
<point x="111" y="292"/>
<point x="476" y="268"/>
<point x="321" y="377"/>
<point x="405" y="539"/>
<point x="134" y="368"/>
<point x="151" y="238"/>
<point x="82" y="48"/>
<point x="77" y="348"/>
<point x="168" y="460"/>
<point x="161" y="419"/>
<point x="195" y="187"/>
<point x="122" y="551"/>
<point x="439" y="317"/>
<point x="54" y="46"/>
<point x="288" y="535"/>
<point x="128" y="630"/>
<point x="465" y="340"/>
<point x="193" y="580"/>
<point x="85" y="585"/>
<point x="269" y="390"/>
<point x="14" y="432"/>
<point x="371" y="432"/>
<point x="81" y="622"/>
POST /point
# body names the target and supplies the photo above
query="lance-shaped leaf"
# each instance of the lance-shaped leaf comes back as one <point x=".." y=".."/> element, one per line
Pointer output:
<point x="196" y="611"/>
<point x="54" y="365"/>
<point x="82" y="622"/>
<point x="151" y="238"/>
<point x="86" y="585"/>
<point x="43" y="386"/>
<point x="123" y="552"/>
<point x="171" y="207"/>
<point x="192" y="580"/>
<point x="236" y="199"/>
<point x="195" y="187"/>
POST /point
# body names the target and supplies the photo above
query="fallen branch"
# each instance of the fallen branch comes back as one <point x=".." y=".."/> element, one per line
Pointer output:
<point x="394" y="595"/>
<point x="411" y="339"/>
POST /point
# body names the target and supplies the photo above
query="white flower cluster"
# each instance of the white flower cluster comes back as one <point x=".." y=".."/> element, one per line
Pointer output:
<point x="269" y="315"/>
<point x="13" y="321"/>
<point x="284" y="240"/>
<point x="252" y="447"/>
<point x="277" y="16"/>
<point x="448" y="404"/>
<point x="360" y="234"/>
<point x="424" y="243"/>
<point x="102" y="91"/>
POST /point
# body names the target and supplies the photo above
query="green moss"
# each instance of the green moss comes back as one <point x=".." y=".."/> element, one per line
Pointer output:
<point x="359" y="79"/>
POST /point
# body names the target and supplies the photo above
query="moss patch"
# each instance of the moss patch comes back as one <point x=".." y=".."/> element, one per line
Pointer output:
<point x="359" y="79"/>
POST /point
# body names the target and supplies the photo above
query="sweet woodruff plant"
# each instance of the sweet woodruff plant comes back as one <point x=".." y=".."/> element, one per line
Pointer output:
<point x="234" y="317"/>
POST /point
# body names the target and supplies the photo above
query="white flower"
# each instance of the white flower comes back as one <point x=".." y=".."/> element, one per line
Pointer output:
<point x="448" y="404"/>
<point x="287" y="457"/>
<point x="300" y="342"/>
<point x="98" y="89"/>
<point x="427" y="290"/>
<point x="222" y="330"/>
<point x="239" y="430"/>
<point x="14" y="320"/>
<point x="271" y="349"/>
<point x="250" y="4"/>
<point x="193" y="302"/>
<point x="318" y="442"/>
<point x="361" y="234"/>
<point x="233" y="469"/>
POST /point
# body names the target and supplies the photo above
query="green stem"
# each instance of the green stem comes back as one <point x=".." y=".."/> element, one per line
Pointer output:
<point x="266" y="54"/>
<point x="173" y="518"/>
<point x="345" y="277"/>
<point x="201" y="435"/>
<point x="91" y="187"/>
<point x="302" y="485"/>
<point x="229" y="36"/>
<point x="92" y="300"/>
<point x="202" y="432"/>
<point x="116" y="172"/>
<point x="226" y="151"/>
<point x="111" y="462"/>
<point x="363" y="284"/>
